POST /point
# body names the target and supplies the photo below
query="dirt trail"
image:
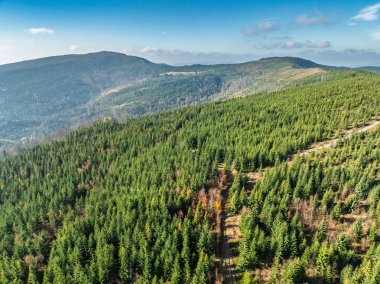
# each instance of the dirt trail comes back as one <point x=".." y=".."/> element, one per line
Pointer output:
<point x="332" y="142"/>
<point x="230" y="232"/>
<point x="230" y="226"/>
<point x="230" y="243"/>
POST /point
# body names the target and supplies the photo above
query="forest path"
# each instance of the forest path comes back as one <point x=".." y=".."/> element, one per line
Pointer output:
<point x="230" y="224"/>
<point x="327" y="144"/>
<point x="231" y="240"/>
<point x="230" y="233"/>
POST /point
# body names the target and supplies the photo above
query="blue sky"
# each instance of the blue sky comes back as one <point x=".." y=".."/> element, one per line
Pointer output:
<point x="175" y="32"/>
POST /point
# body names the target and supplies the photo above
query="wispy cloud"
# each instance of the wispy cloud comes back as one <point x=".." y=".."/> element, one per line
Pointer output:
<point x="73" y="47"/>
<point x="294" y="44"/>
<point x="260" y="27"/>
<point x="4" y="47"/>
<point x="35" y="31"/>
<point x="179" y="56"/>
<point x="267" y="26"/>
<point x="368" y="13"/>
<point x="347" y="57"/>
<point x="313" y="50"/>
<point x="249" y="31"/>
<point x="306" y="44"/>
<point x="305" y="20"/>
<point x="150" y="49"/>
<point x="375" y="34"/>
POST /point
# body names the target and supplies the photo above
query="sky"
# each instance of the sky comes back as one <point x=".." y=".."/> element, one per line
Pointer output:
<point x="333" y="32"/>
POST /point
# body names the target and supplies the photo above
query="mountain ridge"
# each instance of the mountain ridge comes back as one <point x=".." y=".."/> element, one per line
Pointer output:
<point x="41" y="97"/>
<point x="372" y="69"/>
<point x="109" y="53"/>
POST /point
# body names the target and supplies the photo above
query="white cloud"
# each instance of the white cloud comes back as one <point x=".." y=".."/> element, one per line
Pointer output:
<point x="306" y="44"/>
<point x="149" y="49"/>
<point x="267" y="26"/>
<point x="180" y="57"/>
<point x="294" y="44"/>
<point x="375" y="34"/>
<point x="321" y="44"/>
<point x="369" y="13"/>
<point x="306" y="20"/>
<point x="347" y="57"/>
<point x="73" y="47"/>
<point x="35" y="31"/>
<point x="261" y="27"/>
<point x="328" y="56"/>
<point x="249" y="31"/>
<point x="5" y="47"/>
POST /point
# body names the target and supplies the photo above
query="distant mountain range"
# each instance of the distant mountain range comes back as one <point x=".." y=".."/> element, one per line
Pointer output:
<point x="372" y="69"/>
<point x="45" y="96"/>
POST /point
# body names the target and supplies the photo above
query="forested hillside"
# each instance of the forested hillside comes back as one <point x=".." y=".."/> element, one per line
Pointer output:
<point x="189" y="85"/>
<point x="43" y="97"/>
<point x="315" y="219"/>
<point x="145" y="200"/>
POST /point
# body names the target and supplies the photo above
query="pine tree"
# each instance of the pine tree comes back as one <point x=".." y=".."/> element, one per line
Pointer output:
<point x="294" y="272"/>
<point x="198" y="214"/>
<point x="241" y="197"/>
<point x="323" y="259"/>
<point x="105" y="261"/>
<point x="200" y="275"/>
<point x="124" y="264"/>
<point x="322" y="230"/>
<point x="372" y="233"/>
<point x="328" y="278"/>
<point x="247" y="278"/>
<point x="176" y="274"/>
<point x="336" y="212"/>
<point x="275" y="273"/>
<point x="147" y="269"/>
<point x="32" y="275"/>
<point x="358" y="230"/>
<point x="293" y="245"/>
<point x="244" y="255"/>
<point x="235" y="203"/>
<point x="186" y="272"/>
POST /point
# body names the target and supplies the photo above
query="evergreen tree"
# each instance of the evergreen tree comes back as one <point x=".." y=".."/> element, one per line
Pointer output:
<point x="322" y="230"/>
<point x="358" y="230"/>
<point x="32" y="274"/>
<point x="176" y="274"/>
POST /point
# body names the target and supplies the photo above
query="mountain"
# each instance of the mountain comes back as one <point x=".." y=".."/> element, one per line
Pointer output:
<point x="372" y="69"/>
<point x="45" y="96"/>
<point x="40" y="96"/>
<point x="280" y="187"/>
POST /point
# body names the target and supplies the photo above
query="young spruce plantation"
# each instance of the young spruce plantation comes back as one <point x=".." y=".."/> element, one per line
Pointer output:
<point x="143" y="201"/>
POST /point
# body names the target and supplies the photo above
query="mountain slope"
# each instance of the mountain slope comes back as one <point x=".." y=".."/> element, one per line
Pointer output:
<point x="372" y="69"/>
<point x="141" y="201"/>
<point x="183" y="88"/>
<point x="42" y="97"/>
